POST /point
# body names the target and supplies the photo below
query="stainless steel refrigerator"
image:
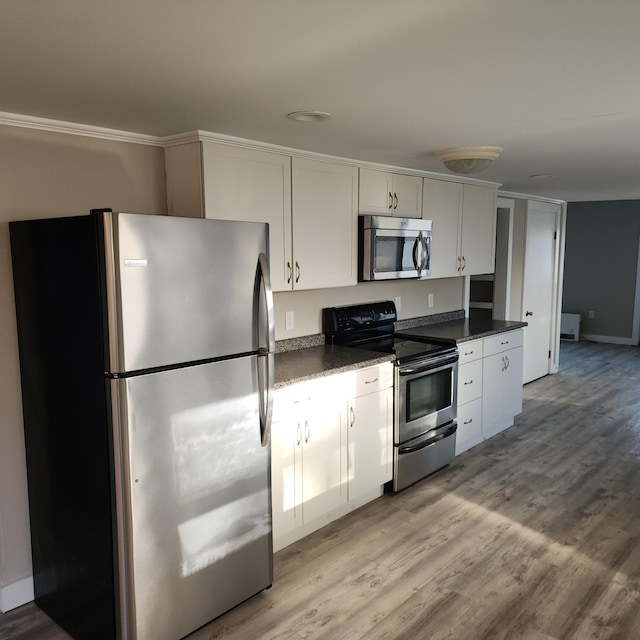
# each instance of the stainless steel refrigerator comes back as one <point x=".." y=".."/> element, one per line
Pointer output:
<point x="146" y="354"/>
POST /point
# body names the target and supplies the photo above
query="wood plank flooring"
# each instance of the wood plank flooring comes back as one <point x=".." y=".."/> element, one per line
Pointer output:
<point x="533" y="535"/>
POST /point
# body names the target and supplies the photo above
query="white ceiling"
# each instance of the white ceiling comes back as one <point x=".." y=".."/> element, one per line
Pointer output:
<point x="554" y="82"/>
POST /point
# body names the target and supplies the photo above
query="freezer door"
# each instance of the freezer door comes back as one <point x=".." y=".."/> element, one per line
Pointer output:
<point x="192" y="497"/>
<point x="181" y="290"/>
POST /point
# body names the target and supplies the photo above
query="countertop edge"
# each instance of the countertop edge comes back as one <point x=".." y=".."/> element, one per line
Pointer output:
<point x="292" y="367"/>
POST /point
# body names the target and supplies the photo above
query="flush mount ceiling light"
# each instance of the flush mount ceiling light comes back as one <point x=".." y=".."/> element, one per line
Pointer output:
<point x="468" y="160"/>
<point x="308" y="116"/>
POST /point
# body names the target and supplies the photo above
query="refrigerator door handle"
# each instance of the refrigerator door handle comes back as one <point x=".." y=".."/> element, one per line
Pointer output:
<point x="266" y="356"/>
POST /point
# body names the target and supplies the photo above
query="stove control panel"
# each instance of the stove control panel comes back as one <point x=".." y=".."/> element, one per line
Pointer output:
<point x="355" y="317"/>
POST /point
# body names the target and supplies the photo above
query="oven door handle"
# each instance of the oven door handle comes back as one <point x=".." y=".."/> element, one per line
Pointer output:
<point x="434" y="365"/>
<point x="429" y="438"/>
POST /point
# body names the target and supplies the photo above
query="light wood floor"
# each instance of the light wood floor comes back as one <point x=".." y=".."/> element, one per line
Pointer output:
<point x="533" y="535"/>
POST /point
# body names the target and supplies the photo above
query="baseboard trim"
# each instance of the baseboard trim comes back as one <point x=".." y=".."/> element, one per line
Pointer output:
<point x="608" y="339"/>
<point x="16" y="594"/>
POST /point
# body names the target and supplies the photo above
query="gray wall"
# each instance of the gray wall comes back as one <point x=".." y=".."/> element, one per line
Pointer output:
<point x="601" y="263"/>
<point x="45" y="174"/>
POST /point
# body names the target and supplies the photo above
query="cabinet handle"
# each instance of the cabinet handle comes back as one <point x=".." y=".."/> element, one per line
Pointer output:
<point x="297" y="272"/>
<point x="528" y="313"/>
<point x="464" y="263"/>
<point x="469" y="421"/>
<point x="470" y="382"/>
<point x="307" y="431"/>
<point x="390" y="200"/>
<point x="505" y="342"/>
<point x="290" y="271"/>
<point x="299" y="433"/>
<point x="504" y="365"/>
<point x="507" y="359"/>
<point x="459" y="263"/>
<point x="353" y="417"/>
<point x="468" y="353"/>
<point x="371" y="381"/>
<point x="395" y="201"/>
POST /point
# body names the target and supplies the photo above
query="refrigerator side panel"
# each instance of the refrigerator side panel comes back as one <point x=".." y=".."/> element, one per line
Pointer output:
<point x="185" y="289"/>
<point x="196" y="496"/>
<point x="65" y="408"/>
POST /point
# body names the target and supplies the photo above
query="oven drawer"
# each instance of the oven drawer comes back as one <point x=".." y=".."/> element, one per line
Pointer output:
<point x="412" y="461"/>
<point x="502" y="342"/>
<point x="470" y="350"/>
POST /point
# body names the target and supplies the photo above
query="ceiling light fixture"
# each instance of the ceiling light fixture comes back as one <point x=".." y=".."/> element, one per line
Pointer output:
<point x="466" y="160"/>
<point x="544" y="176"/>
<point x="309" y="116"/>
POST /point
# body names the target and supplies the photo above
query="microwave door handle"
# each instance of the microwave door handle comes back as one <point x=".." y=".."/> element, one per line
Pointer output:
<point x="417" y="263"/>
<point x="425" y="252"/>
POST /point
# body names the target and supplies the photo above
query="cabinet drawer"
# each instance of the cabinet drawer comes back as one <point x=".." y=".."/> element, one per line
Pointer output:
<point x="502" y="342"/>
<point x="469" y="425"/>
<point x="371" y="379"/>
<point x="468" y="351"/>
<point x="469" y="381"/>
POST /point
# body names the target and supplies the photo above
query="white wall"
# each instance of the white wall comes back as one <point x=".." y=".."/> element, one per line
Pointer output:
<point x="47" y="174"/>
<point x="448" y="295"/>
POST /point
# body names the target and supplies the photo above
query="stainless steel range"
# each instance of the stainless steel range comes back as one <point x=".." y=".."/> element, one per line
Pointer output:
<point x="425" y="386"/>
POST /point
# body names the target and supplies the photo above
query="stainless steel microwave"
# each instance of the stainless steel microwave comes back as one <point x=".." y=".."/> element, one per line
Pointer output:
<point x="391" y="248"/>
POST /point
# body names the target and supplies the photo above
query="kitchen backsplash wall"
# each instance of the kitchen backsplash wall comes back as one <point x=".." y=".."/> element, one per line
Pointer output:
<point x="306" y="306"/>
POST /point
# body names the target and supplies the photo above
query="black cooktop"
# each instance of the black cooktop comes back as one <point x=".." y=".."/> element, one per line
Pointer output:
<point x="370" y="326"/>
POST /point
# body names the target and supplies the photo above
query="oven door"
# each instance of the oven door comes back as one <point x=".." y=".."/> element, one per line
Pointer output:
<point x="426" y="396"/>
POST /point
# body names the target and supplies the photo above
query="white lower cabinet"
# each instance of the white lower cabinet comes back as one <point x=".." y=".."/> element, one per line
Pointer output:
<point x="502" y="381"/>
<point x="331" y="446"/>
<point x="489" y="387"/>
<point x="370" y="432"/>
<point x="469" y="431"/>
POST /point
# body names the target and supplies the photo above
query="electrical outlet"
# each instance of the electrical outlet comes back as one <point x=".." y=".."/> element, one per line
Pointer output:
<point x="430" y="300"/>
<point x="398" y="303"/>
<point x="592" y="314"/>
<point x="288" y="321"/>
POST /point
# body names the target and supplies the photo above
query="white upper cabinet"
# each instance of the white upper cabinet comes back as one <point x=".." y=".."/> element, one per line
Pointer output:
<point x="387" y="193"/>
<point x="478" y="242"/>
<point x="245" y="184"/>
<point x="464" y="227"/>
<point x="310" y="205"/>
<point x="325" y="216"/>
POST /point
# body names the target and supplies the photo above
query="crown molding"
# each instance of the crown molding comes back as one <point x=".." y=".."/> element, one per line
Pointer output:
<point x="73" y="128"/>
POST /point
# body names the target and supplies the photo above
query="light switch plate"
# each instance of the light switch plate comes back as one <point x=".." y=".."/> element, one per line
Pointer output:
<point x="288" y="321"/>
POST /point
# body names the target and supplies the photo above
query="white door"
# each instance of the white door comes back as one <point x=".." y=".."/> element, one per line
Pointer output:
<point x="537" y="291"/>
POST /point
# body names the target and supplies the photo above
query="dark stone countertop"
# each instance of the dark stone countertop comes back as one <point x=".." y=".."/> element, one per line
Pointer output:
<point x="314" y="362"/>
<point x="462" y="329"/>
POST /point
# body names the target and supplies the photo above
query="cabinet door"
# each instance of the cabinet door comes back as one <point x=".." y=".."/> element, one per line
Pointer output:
<point x="478" y="244"/>
<point x="325" y="201"/>
<point x="245" y="184"/>
<point x="469" y="381"/>
<point x="469" y="431"/>
<point x="442" y="203"/>
<point x="494" y="379"/>
<point x="407" y="196"/>
<point x="283" y="477"/>
<point x="369" y="440"/>
<point x="324" y="459"/>
<point x="376" y="192"/>
<point x="286" y="463"/>
<point x="502" y="390"/>
<point x="513" y="390"/>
